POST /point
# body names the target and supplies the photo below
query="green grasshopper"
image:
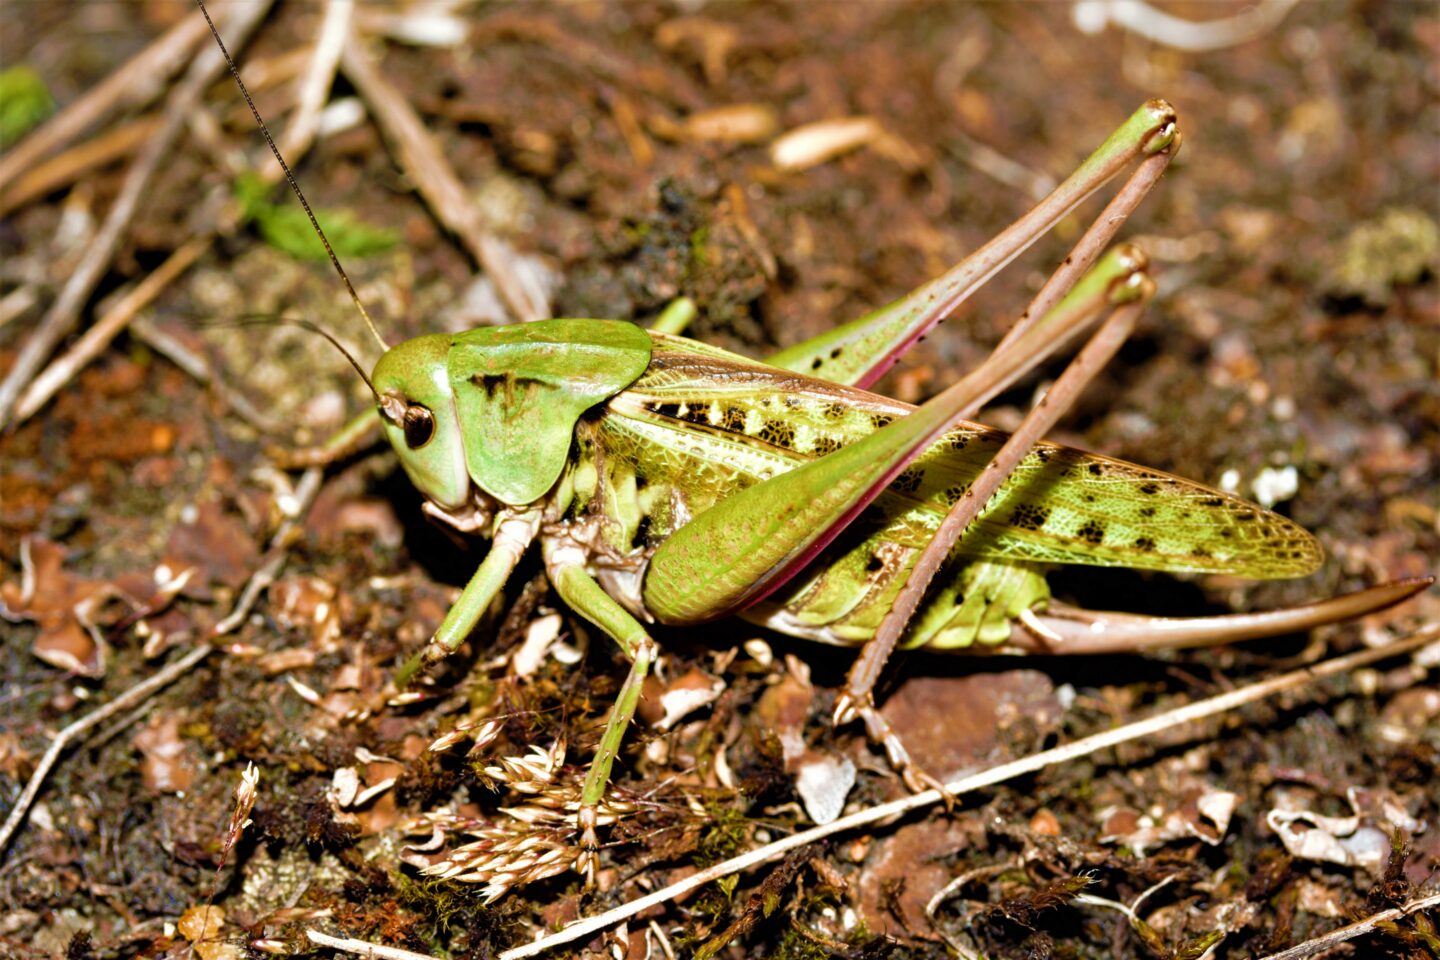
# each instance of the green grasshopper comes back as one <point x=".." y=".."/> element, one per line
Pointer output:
<point x="667" y="481"/>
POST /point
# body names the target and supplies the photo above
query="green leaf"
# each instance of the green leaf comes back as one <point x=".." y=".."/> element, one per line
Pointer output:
<point x="24" y="102"/>
<point x="286" y="227"/>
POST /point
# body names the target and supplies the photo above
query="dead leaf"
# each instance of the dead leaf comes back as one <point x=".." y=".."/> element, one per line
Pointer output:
<point x="168" y="766"/>
<point x="1201" y="815"/>
<point x="215" y="542"/>
<point x="951" y="724"/>
<point x="668" y="703"/>
<point x="75" y="614"/>
<point x="1359" y="840"/>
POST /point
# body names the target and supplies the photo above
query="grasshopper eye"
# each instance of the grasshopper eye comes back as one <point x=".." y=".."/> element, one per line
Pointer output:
<point x="419" y="426"/>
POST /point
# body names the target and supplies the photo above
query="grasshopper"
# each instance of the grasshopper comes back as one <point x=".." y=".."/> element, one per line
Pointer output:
<point x="668" y="481"/>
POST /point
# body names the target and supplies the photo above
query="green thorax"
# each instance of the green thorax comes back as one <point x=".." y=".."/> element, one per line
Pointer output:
<point x="520" y="389"/>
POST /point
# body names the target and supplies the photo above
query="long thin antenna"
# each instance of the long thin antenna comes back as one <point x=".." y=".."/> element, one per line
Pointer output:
<point x="295" y="186"/>
<point x="313" y="328"/>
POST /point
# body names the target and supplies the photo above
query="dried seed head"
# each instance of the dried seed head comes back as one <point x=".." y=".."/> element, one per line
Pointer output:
<point x="245" y="795"/>
<point x="537" y="838"/>
<point x="488" y="731"/>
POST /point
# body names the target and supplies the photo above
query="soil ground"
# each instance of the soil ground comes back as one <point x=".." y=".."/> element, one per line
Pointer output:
<point x="1293" y="352"/>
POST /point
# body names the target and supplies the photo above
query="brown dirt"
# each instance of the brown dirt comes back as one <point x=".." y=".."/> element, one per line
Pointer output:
<point x="1276" y="341"/>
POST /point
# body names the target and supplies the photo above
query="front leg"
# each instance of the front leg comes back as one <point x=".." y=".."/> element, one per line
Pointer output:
<point x="565" y="565"/>
<point x="513" y="535"/>
<point x="360" y="432"/>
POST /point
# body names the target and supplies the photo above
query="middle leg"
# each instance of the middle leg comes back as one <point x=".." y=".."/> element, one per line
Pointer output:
<point x="566" y="570"/>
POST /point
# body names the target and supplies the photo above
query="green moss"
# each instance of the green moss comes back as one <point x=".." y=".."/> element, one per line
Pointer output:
<point x="699" y="248"/>
<point x="24" y="102"/>
<point x="443" y="904"/>
<point x="1394" y="249"/>
<point x="794" y="945"/>
<point x="726" y="837"/>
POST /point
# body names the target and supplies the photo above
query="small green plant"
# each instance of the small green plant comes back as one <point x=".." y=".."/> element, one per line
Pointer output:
<point x="24" y="102"/>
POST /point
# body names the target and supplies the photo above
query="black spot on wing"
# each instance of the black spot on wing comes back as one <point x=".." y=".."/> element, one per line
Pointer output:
<point x="1029" y="516"/>
<point x="781" y="433"/>
<point x="908" y="481"/>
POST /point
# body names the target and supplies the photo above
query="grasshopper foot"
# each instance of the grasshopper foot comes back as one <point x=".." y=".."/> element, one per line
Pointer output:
<point x="588" y="862"/>
<point x="851" y="706"/>
<point x="420" y="663"/>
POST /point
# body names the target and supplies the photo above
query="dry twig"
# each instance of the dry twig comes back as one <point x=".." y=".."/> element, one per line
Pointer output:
<point x="300" y="134"/>
<point x="296" y="506"/>
<point x="300" y="502"/>
<point x="314" y="86"/>
<point x="99" y="336"/>
<point x="362" y="949"/>
<point x="1005" y="771"/>
<point x="138" y="80"/>
<point x="17" y="302"/>
<point x="136" y="694"/>
<point x="79" y="160"/>
<point x="421" y="158"/>
<point x="63" y="314"/>
<point x="1357" y="929"/>
<point x="200" y="369"/>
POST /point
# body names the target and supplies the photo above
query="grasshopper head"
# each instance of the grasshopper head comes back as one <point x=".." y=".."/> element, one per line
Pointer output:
<point x="418" y="407"/>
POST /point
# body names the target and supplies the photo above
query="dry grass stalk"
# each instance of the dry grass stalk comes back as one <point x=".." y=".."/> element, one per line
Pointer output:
<point x="420" y="156"/>
<point x="65" y="312"/>
<point x="1328" y="941"/>
<point x="137" y="694"/>
<point x="136" y="81"/>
